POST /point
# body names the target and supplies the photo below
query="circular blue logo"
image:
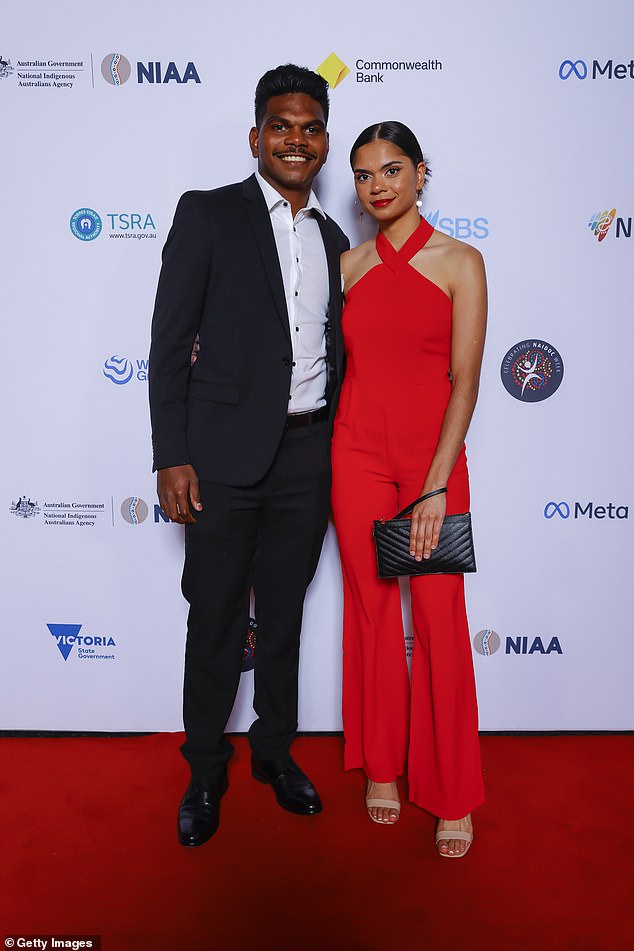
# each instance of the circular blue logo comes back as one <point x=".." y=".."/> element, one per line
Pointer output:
<point x="85" y="224"/>
<point x="118" y="369"/>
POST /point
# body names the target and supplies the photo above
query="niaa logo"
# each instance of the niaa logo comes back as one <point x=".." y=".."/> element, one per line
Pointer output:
<point x="487" y="642"/>
<point x="85" y="224"/>
<point x="118" y="369"/>
<point x="116" y="69"/>
<point x="134" y="510"/>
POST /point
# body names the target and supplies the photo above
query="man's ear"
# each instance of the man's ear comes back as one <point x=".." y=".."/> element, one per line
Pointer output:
<point x="254" y="142"/>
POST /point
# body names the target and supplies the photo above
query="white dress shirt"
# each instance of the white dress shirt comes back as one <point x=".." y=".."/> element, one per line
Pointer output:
<point x="302" y="258"/>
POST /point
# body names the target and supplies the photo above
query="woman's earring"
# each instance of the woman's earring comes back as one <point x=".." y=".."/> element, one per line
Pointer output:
<point x="419" y="200"/>
<point x="358" y="207"/>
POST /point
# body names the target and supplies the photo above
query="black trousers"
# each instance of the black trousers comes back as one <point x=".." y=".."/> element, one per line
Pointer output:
<point x="267" y="536"/>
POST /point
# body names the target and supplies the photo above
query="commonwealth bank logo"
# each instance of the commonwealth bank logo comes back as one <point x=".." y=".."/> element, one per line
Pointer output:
<point x="333" y="70"/>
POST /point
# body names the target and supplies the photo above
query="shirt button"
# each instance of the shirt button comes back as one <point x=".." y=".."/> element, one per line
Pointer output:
<point x="297" y="329"/>
<point x="286" y="204"/>
<point x="296" y="293"/>
<point x="297" y="259"/>
<point x="294" y="364"/>
<point x="286" y="361"/>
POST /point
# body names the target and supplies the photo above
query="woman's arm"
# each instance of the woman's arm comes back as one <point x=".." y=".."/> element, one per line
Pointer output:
<point x="469" y="294"/>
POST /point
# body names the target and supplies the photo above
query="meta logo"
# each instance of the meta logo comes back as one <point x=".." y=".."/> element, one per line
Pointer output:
<point x="589" y="510"/>
<point x="120" y="370"/>
<point x="116" y="70"/>
<point x="67" y="635"/>
<point x="461" y="228"/>
<point x="601" y="222"/>
<point x="85" y="224"/>
<point x="487" y="642"/>
<point x="579" y="69"/>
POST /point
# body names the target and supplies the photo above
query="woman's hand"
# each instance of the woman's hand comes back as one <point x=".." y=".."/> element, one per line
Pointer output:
<point x="427" y="519"/>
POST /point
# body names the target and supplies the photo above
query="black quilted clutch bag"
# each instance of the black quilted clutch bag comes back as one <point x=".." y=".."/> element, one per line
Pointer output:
<point x="454" y="554"/>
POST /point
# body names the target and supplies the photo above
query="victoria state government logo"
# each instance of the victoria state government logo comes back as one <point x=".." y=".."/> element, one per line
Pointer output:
<point x="532" y="370"/>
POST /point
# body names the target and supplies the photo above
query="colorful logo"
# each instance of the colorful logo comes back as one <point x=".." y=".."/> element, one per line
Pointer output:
<point x="575" y="67"/>
<point x="116" y="69"/>
<point x="24" y="508"/>
<point x="118" y="370"/>
<point x="600" y="223"/>
<point x="532" y="370"/>
<point x="486" y="642"/>
<point x="134" y="510"/>
<point x="85" y="224"/>
<point x="333" y="70"/>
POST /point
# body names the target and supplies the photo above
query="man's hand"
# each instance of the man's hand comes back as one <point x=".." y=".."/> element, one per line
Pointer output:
<point x="176" y="487"/>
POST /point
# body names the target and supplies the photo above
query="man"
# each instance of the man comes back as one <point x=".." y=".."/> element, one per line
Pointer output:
<point x="242" y="434"/>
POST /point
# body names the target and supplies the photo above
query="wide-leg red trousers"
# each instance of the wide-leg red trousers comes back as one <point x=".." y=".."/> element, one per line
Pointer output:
<point x="432" y="726"/>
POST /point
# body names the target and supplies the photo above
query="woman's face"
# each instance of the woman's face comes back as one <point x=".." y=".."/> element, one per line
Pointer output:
<point x="386" y="180"/>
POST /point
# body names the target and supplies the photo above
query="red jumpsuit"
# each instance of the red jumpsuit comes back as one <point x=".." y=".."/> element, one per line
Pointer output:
<point x="397" y="331"/>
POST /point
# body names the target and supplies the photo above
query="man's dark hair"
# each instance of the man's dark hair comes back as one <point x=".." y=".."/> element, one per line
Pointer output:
<point x="399" y="135"/>
<point x="288" y="79"/>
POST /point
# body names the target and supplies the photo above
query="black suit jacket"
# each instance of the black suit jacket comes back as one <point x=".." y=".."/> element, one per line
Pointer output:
<point x="221" y="279"/>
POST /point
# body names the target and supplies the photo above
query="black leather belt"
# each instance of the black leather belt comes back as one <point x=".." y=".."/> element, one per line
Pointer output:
<point x="298" y="420"/>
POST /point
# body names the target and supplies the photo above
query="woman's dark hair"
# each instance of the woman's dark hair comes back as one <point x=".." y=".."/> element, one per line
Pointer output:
<point x="288" y="79"/>
<point x="399" y="135"/>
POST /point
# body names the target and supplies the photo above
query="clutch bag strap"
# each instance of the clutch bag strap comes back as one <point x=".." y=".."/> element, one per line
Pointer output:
<point x="410" y="508"/>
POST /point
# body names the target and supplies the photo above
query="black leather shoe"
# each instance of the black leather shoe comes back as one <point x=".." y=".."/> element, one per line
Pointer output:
<point x="199" y="810"/>
<point x="293" y="789"/>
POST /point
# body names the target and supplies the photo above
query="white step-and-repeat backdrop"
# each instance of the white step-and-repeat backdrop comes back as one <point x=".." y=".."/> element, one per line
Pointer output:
<point x="109" y="113"/>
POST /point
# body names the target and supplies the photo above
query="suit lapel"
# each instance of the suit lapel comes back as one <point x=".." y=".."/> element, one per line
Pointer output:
<point x="261" y="223"/>
<point x="334" y="301"/>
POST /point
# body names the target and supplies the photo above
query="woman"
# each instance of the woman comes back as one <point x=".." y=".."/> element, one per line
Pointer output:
<point x="414" y="325"/>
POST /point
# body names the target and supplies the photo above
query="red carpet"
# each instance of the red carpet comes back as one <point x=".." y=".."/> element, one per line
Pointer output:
<point x="89" y="846"/>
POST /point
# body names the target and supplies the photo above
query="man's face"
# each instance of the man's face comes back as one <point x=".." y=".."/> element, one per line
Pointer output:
<point x="291" y="143"/>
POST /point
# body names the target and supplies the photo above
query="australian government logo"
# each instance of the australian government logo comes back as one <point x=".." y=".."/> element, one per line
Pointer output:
<point x="25" y="507"/>
<point x="367" y="70"/>
<point x="6" y="69"/>
<point x="488" y="642"/>
<point x="78" y="514"/>
<point x="89" y="646"/>
<point x="39" y="74"/>
<point x="532" y="370"/>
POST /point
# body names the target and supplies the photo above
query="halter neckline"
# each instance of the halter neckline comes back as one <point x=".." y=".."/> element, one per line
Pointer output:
<point x="417" y="240"/>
